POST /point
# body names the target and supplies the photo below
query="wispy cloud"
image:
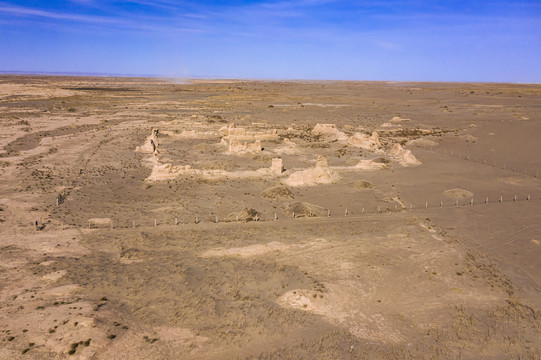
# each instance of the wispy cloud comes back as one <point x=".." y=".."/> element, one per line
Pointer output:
<point x="167" y="5"/>
<point x="137" y="23"/>
<point x="84" y="2"/>
<point x="23" y="11"/>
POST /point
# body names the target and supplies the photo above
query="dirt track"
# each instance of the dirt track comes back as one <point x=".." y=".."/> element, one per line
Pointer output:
<point x="405" y="274"/>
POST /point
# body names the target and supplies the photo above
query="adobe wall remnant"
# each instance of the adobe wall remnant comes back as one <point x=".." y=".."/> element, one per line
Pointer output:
<point x="364" y="141"/>
<point x="151" y="143"/>
<point x="277" y="166"/>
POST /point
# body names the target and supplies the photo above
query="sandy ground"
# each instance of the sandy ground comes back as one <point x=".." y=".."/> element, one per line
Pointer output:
<point x="190" y="242"/>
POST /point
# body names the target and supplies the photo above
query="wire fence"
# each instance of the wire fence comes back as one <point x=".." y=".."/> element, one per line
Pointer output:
<point x="491" y="163"/>
<point x="357" y="212"/>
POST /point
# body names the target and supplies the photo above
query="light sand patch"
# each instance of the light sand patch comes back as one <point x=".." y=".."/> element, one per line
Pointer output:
<point x="422" y="142"/>
<point x="431" y="231"/>
<point x="13" y="263"/>
<point x="323" y="105"/>
<point x="370" y="165"/>
<point x="309" y="300"/>
<point x="399" y="119"/>
<point x="261" y="249"/>
<point x="487" y="106"/>
<point x="336" y="308"/>
<point x="62" y="290"/>
<point x="246" y="251"/>
<point x="47" y="263"/>
<point x="33" y="92"/>
<point x="365" y="164"/>
<point x="535" y="242"/>
<point x="469" y="138"/>
<point x="181" y="337"/>
<point x="514" y="180"/>
<point x="54" y="276"/>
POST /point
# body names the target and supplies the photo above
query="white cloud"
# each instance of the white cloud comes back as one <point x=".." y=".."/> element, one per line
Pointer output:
<point x="22" y="11"/>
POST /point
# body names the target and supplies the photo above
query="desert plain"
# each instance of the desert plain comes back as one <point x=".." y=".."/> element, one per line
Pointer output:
<point x="146" y="218"/>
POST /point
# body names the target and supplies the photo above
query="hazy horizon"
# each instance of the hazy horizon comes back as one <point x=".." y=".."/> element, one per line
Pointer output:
<point x="197" y="77"/>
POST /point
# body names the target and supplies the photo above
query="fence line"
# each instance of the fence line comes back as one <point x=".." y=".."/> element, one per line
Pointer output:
<point x="503" y="166"/>
<point x="348" y="213"/>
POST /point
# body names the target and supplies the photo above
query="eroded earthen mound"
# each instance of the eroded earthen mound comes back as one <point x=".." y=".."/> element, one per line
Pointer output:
<point x="320" y="174"/>
<point x="304" y="209"/>
<point x="382" y="160"/>
<point x="458" y="193"/>
<point x="364" y="141"/>
<point x="403" y="156"/>
<point x="362" y="184"/>
<point x="329" y="131"/>
<point x="277" y="192"/>
<point x="422" y="143"/>
<point x="247" y="214"/>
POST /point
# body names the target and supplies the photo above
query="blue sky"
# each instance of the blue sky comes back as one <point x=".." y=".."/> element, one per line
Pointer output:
<point x="492" y="40"/>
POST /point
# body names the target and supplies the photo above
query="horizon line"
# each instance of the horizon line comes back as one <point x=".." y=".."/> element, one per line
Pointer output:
<point x="205" y="77"/>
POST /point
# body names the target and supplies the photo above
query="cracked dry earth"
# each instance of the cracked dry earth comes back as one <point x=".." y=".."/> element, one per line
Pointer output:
<point x="124" y="265"/>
